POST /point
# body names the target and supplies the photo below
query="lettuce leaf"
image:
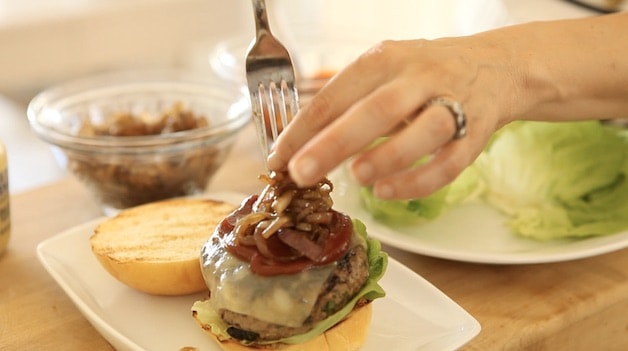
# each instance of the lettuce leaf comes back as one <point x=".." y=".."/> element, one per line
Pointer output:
<point x="558" y="180"/>
<point x="467" y="186"/>
<point x="378" y="261"/>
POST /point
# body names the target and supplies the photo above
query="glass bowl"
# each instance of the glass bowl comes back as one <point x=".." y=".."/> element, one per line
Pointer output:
<point x="138" y="137"/>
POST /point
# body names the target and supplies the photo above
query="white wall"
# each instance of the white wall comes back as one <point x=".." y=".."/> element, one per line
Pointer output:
<point x="44" y="42"/>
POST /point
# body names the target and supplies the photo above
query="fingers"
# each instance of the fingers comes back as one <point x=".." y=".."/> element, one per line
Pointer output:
<point x="445" y="163"/>
<point x="351" y="84"/>
<point x="440" y="170"/>
<point x="422" y="136"/>
<point x="365" y="121"/>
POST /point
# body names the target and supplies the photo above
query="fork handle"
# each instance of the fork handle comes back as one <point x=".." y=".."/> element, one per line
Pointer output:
<point x="261" y="18"/>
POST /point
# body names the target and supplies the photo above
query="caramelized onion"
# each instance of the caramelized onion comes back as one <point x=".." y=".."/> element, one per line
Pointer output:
<point x="303" y="226"/>
<point x="300" y="242"/>
<point x="244" y="223"/>
<point x="319" y="218"/>
<point x="286" y="228"/>
<point x="283" y="201"/>
<point x="275" y="225"/>
<point x="275" y="249"/>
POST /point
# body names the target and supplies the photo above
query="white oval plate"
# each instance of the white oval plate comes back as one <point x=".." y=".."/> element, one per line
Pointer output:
<point x="472" y="232"/>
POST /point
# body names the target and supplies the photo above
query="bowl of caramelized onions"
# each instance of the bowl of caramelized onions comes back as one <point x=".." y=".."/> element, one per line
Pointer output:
<point x="138" y="137"/>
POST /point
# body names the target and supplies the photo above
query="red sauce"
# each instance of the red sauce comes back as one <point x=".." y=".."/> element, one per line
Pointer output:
<point x="284" y="259"/>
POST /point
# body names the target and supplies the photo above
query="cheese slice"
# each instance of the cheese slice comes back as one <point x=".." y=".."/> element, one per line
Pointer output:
<point x="282" y="299"/>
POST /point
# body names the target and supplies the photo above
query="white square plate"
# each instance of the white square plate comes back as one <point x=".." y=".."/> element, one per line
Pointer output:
<point x="414" y="315"/>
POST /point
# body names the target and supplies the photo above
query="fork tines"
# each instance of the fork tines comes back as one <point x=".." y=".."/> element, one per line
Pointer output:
<point x="274" y="105"/>
<point x="274" y="98"/>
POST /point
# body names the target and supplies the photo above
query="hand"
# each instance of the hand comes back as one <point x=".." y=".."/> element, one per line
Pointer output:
<point x="554" y="70"/>
<point x="383" y="93"/>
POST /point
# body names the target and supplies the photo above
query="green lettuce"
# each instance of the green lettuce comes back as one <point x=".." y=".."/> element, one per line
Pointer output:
<point x="557" y="180"/>
<point x="378" y="261"/>
<point x="552" y="180"/>
<point x="467" y="186"/>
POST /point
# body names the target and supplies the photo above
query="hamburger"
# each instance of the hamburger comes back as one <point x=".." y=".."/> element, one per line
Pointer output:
<point x="285" y="270"/>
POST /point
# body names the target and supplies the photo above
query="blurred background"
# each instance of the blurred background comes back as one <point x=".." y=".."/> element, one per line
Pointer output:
<point x="43" y="43"/>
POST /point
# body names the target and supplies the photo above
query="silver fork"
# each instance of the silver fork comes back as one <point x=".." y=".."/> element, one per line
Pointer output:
<point x="271" y="82"/>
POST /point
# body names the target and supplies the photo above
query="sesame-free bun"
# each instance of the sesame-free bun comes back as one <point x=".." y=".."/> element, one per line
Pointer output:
<point x="348" y="335"/>
<point x="155" y="247"/>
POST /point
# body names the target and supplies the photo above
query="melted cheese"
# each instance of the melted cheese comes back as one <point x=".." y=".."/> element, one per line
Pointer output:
<point x="283" y="299"/>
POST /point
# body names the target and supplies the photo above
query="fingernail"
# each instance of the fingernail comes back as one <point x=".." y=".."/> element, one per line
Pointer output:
<point x="363" y="172"/>
<point x="384" y="191"/>
<point x="274" y="161"/>
<point x="304" y="171"/>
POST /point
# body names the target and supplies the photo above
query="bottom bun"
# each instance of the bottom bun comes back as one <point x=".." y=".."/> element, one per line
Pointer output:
<point x="348" y="335"/>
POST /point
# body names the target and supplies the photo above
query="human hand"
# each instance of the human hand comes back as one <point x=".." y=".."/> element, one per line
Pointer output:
<point x="384" y="93"/>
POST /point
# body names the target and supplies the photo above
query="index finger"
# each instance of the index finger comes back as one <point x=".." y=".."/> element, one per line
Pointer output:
<point x="351" y="84"/>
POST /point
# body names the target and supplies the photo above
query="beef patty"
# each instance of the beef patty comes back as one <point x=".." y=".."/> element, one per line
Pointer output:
<point x="344" y="282"/>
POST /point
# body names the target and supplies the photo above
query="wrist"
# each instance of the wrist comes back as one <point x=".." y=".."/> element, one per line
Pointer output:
<point x="571" y="69"/>
<point x="534" y="86"/>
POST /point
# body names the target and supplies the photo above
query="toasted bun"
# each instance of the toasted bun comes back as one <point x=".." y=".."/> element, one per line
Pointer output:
<point x="348" y="335"/>
<point x="155" y="247"/>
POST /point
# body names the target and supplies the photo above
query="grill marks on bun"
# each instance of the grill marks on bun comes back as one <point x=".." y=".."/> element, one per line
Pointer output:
<point x="155" y="247"/>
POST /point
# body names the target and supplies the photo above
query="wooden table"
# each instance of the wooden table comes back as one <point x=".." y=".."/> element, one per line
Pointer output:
<point x="577" y="305"/>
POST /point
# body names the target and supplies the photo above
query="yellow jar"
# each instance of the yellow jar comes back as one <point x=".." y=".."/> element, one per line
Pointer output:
<point x="5" y="215"/>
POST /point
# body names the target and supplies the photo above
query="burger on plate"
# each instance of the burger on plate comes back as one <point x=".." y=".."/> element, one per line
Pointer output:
<point x="286" y="271"/>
